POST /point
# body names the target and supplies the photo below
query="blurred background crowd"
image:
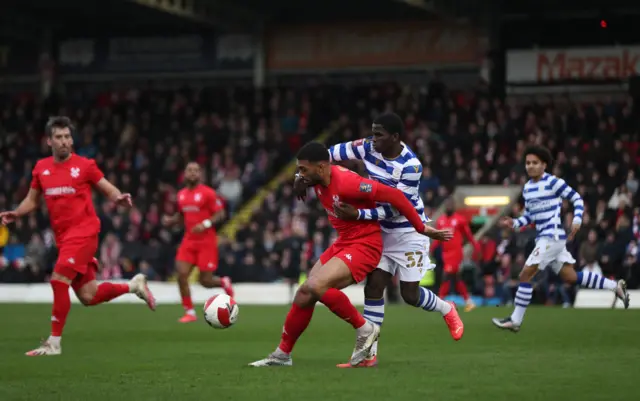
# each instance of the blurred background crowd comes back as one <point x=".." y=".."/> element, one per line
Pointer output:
<point x="474" y="83"/>
<point x="243" y="137"/>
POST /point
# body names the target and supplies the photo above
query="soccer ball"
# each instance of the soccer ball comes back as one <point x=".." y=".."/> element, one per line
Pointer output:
<point x="221" y="311"/>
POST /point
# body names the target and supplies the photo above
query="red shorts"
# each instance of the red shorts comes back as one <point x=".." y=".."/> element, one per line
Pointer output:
<point x="451" y="263"/>
<point x="76" y="260"/>
<point x="362" y="257"/>
<point x="203" y="254"/>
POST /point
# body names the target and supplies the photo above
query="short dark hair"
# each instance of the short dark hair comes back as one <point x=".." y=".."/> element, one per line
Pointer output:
<point x="540" y="152"/>
<point x="314" y="152"/>
<point x="57" y="122"/>
<point x="391" y="122"/>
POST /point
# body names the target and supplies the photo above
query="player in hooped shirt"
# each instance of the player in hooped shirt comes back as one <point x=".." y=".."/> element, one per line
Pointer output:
<point x="200" y="209"/>
<point x="65" y="180"/>
<point x="349" y="260"/>
<point x="452" y="251"/>
<point x="391" y="162"/>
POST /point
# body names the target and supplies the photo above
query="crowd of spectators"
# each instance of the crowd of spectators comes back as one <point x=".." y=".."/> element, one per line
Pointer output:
<point x="243" y="137"/>
<point x="142" y="139"/>
<point x="472" y="139"/>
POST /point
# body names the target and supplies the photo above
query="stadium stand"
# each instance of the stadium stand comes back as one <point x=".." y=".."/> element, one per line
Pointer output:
<point x="244" y="137"/>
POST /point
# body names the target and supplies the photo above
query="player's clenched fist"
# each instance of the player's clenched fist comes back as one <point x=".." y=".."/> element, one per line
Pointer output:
<point x="8" y="217"/>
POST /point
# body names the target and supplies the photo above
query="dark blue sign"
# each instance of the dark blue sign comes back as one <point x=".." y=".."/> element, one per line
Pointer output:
<point x="151" y="54"/>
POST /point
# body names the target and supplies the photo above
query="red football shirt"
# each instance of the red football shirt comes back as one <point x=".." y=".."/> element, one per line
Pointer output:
<point x="66" y="187"/>
<point x="348" y="187"/>
<point x="460" y="228"/>
<point x="196" y="205"/>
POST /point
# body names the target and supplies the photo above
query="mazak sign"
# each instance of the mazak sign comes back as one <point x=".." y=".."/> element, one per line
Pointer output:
<point x="585" y="64"/>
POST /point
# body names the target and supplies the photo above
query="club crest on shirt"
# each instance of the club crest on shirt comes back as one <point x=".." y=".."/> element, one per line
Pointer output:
<point x="75" y="172"/>
<point x="396" y="173"/>
<point x="364" y="187"/>
<point x="197" y="197"/>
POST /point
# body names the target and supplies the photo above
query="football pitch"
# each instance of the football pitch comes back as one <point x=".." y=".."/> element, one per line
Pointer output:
<point x="125" y="352"/>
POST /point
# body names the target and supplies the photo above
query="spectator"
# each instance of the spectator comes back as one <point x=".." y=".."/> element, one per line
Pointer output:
<point x="110" y="257"/>
<point x="231" y="190"/>
<point x="632" y="182"/>
<point x="590" y="252"/>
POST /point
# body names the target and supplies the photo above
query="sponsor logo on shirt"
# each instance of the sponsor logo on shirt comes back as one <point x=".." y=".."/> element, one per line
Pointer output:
<point x="56" y="191"/>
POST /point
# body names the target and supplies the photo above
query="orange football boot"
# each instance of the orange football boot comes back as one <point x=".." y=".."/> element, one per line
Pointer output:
<point x="454" y="323"/>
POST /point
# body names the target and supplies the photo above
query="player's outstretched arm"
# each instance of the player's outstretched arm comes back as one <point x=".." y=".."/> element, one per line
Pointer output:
<point x="355" y="150"/>
<point x="28" y="205"/>
<point x="522" y="221"/>
<point x="345" y="211"/>
<point x="113" y="193"/>
<point x="397" y="199"/>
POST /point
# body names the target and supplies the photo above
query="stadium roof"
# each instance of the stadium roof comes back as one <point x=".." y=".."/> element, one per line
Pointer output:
<point x="26" y="20"/>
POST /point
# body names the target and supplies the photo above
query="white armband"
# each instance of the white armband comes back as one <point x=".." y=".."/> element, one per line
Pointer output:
<point x="207" y="223"/>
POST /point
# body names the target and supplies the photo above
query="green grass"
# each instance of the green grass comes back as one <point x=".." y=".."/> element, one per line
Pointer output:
<point x="124" y="352"/>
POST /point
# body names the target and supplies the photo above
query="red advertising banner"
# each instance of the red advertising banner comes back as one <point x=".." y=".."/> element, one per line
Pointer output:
<point x="583" y="64"/>
<point x="373" y="44"/>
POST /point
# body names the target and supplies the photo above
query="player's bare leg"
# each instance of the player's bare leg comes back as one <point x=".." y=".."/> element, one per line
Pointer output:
<point x="333" y="276"/>
<point x="183" y="269"/>
<point x="208" y="280"/>
<point x="569" y="275"/>
<point x="61" y="307"/>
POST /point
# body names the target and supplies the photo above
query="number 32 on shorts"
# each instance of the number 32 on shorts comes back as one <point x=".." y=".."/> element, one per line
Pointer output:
<point x="414" y="259"/>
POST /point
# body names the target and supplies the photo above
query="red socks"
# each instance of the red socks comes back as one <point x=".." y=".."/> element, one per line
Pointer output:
<point x="108" y="291"/>
<point x="294" y="325"/>
<point x="187" y="303"/>
<point x="445" y="286"/>
<point x="461" y="289"/>
<point x="338" y="302"/>
<point x="61" y="307"/>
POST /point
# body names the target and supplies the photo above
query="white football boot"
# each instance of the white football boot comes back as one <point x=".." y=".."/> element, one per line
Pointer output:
<point x="622" y="294"/>
<point x="46" y="348"/>
<point x="366" y="337"/>
<point x="138" y="285"/>
<point x="274" y="359"/>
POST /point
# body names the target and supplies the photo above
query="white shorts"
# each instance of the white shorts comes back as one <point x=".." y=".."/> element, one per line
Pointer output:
<point x="407" y="254"/>
<point x="549" y="251"/>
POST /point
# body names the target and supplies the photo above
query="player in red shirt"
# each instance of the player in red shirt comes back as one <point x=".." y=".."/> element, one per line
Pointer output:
<point x="66" y="179"/>
<point x="200" y="209"/>
<point x="452" y="251"/>
<point x="354" y="255"/>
